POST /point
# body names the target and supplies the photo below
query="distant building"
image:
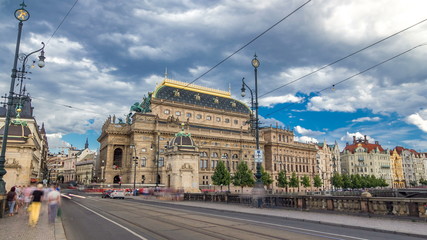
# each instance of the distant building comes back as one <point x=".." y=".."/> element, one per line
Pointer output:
<point x="73" y="165"/>
<point x="27" y="145"/>
<point x="328" y="162"/>
<point x="283" y="153"/>
<point x="397" y="169"/>
<point x="364" y="158"/>
<point x="413" y="164"/>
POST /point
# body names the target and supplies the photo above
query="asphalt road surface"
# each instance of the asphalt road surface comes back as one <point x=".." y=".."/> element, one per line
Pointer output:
<point x="95" y="218"/>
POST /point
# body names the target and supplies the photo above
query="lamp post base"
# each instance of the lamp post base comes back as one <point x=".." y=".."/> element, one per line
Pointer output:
<point x="258" y="193"/>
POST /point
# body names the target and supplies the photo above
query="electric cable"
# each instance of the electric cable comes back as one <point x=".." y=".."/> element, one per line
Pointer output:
<point x="66" y="15"/>
<point x="348" y="78"/>
<point x="343" y="58"/>
<point x="245" y="45"/>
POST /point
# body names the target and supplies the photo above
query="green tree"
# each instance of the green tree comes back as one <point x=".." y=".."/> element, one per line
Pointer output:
<point x="221" y="176"/>
<point x="317" y="181"/>
<point x="355" y="181"/>
<point x="346" y="181"/>
<point x="266" y="178"/>
<point x="413" y="183"/>
<point x="423" y="182"/>
<point x="383" y="182"/>
<point x="282" y="180"/>
<point x="337" y="180"/>
<point x="243" y="177"/>
<point x="294" y="181"/>
<point x="305" y="181"/>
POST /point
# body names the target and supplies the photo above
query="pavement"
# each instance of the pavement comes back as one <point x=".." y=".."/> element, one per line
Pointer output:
<point x="16" y="227"/>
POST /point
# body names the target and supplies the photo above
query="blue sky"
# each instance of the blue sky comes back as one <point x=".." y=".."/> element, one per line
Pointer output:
<point x="107" y="55"/>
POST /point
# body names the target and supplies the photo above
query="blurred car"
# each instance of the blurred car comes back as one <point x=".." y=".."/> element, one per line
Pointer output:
<point x="106" y="193"/>
<point x="117" y="194"/>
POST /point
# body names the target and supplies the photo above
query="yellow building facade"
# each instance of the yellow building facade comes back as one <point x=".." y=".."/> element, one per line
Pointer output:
<point x="397" y="169"/>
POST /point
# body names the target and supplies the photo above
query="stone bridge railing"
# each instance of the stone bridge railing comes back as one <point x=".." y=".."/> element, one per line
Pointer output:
<point x="408" y="207"/>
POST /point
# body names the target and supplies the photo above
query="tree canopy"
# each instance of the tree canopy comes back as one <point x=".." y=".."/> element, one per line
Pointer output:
<point x="243" y="177"/>
<point x="221" y="176"/>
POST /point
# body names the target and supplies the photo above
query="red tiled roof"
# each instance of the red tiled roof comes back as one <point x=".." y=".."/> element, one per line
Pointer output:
<point x="368" y="146"/>
<point x="401" y="149"/>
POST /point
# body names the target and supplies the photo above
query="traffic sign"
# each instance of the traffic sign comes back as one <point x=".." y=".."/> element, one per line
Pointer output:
<point x="258" y="155"/>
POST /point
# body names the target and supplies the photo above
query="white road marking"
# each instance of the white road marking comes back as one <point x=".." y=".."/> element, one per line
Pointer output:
<point x="277" y="225"/>
<point x="118" y="224"/>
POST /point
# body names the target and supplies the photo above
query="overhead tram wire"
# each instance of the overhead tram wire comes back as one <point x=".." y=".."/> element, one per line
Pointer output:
<point x="63" y="20"/>
<point x="348" y="78"/>
<point x="244" y="46"/>
<point x="343" y="58"/>
<point x="68" y="106"/>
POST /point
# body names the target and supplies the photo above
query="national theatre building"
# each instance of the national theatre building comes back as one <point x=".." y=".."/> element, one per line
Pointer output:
<point x="179" y="132"/>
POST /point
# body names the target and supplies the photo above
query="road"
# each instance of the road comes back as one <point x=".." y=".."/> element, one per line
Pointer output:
<point x="96" y="218"/>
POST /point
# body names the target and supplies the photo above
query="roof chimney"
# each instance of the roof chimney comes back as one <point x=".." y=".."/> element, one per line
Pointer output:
<point x="354" y="139"/>
<point x="366" y="140"/>
<point x="376" y="142"/>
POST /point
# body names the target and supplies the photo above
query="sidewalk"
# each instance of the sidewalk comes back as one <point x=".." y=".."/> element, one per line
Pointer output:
<point x="16" y="227"/>
<point x="379" y="224"/>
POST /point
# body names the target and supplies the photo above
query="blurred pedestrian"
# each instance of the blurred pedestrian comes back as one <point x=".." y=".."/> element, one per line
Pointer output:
<point x="53" y="199"/>
<point x="11" y="200"/>
<point x="19" y="198"/>
<point x="27" y="196"/>
<point x="35" y="206"/>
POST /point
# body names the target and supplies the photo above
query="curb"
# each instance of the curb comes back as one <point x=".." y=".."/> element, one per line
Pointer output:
<point x="59" y="230"/>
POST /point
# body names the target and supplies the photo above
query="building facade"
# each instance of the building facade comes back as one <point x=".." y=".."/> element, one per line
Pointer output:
<point x="397" y="169"/>
<point x="328" y="162"/>
<point x="364" y="158"/>
<point x="27" y="146"/>
<point x="220" y="127"/>
<point x="408" y="160"/>
<point x="282" y="153"/>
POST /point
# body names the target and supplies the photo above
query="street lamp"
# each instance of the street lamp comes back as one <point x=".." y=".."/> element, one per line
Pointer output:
<point x="135" y="160"/>
<point x="102" y="171"/>
<point x="255" y="63"/>
<point x="21" y="15"/>
<point x="158" y="159"/>
<point x="243" y="89"/>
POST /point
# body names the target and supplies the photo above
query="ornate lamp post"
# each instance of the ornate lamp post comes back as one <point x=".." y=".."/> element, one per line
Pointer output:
<point x="21" y="15"/>
<point x="259" y="186"/>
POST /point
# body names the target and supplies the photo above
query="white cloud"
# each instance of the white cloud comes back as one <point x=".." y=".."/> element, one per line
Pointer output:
<point x="271" y="101"/>
<point x="418" y="119"/>
<point x="366" y="119"/>
<point x="56" y="143"/>
<point x="304" y="131"/>
<point x="306" y="139"/>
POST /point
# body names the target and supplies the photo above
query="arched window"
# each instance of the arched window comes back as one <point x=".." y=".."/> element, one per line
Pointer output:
<point x="118" y="155"/>
<point x="143" y="162"/>
<point x="224" y="156"/>
<point x="235" y="156"/>
<point x="214" y="154"/>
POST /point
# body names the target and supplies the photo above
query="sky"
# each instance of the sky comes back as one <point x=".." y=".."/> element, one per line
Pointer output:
<point x="106" y="55"/>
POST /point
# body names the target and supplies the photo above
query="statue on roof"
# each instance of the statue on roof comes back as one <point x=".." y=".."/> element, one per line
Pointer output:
<point x="136" y="107"/>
